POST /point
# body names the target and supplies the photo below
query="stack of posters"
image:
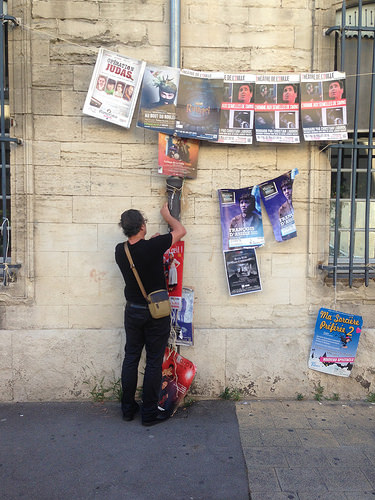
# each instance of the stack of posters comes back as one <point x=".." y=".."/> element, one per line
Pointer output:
<point x="242" y="230"/>
<point x="157" y="110"/>
<point x="177" y="376"/>
<point x="335" y="342"/>
<point x="198" y="104"/>
<point x="323" y="106"/>
<point x="277" y="200"/>
<point x="277" y="108"/>
<point x="114" y="88"/>
<point x="237" y="109"/>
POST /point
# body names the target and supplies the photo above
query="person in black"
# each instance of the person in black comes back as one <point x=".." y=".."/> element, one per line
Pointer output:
<point x="141" y="329"/>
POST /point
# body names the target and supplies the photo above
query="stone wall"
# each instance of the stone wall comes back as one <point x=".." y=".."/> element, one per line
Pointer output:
<point x="62" y="322"/>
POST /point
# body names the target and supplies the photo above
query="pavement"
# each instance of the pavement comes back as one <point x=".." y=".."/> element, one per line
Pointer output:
<point x="213" y="450"/>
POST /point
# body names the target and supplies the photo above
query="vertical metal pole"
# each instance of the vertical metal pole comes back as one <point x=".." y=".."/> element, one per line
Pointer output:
<point x="370" y="155"/>
<point x="355" y="148"/>
<point x="174" y="184"/>
<point x="2" y="134"/>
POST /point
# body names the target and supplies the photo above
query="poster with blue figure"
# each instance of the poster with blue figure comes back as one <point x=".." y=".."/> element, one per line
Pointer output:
<point x="241" y="217"/>
<point x="335" y="342"/>
<point x="277" y="199"/>
<point x="200" y="95"/>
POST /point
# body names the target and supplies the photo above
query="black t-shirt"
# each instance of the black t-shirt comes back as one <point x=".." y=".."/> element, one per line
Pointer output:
<point x="147" y="256"/>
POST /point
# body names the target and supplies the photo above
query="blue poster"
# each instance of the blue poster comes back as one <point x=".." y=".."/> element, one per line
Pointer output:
<point x="335" y="342"/>
<point x="277" y="199"/>
<point x="241" y="217"/>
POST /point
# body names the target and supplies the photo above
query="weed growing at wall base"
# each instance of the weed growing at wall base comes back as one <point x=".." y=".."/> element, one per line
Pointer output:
<point x="232" y="394"/>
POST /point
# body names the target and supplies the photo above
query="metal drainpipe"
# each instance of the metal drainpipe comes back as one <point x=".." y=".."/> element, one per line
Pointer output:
<point x="174" y="184"/>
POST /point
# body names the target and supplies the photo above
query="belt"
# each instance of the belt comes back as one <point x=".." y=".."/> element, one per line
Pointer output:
<point x="137" y="306"/>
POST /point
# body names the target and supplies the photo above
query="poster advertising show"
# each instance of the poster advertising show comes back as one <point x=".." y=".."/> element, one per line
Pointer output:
<point x="242" y="271"/>
<point x="158" y="98"/>
<point x="177" y="375"/>
<point x="178" y="156"/>
<point x="182" y="318"/>
<point x="114" y="88"/>
<point x="277" y="199"/>
<point x="335" y="342"/>
<point x="198" y="104"/>
<point x="277" y="99"/>
<point x="237" y="109"/>
<point x="323" y="106"/>
<point x="173" y="269"/>
<point x="241" y="217"/>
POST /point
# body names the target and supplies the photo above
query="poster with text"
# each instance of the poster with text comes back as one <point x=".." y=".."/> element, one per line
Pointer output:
<point x="323" y="106"/>
<point x="241" y="217"/>
<point x="198" y="104"/>
<point x="173" y="269"/>
<point x="242" y="271"/>
<point x="335" y="342"/>
<point x="114" y="88"/>
<point x="157" y="108"/>
<point x="182" y="318"/>
<point x="177" y="376"/>
<point x="178" y="156"/>
<point x="277" y="99"/>
<point x="237" y="109"/>
<point x="277" y="200"/>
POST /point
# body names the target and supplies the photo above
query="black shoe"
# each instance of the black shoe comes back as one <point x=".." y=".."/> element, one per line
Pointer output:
<point x="129" y="415"/>
<point x="160" y="417"/>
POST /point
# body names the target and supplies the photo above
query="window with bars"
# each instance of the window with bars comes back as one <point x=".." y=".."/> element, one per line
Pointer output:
<point x="352" y="204"/>
<point x="5" y="141"/>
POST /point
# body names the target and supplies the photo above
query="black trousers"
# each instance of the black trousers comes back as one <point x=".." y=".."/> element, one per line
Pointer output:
<point x="143" y="331"/>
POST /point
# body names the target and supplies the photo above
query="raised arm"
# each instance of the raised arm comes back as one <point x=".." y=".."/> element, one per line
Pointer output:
<point x="178" y="230"/>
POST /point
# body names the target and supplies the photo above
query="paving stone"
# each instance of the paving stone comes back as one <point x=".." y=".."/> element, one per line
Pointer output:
<point x="369" y="472"/>
<point x="262" y="479"/>
<point x="271" y="457"/>
<point x="280" y="437"/>
<point x="346" y="479"/>
<point x="301" y="478"/>
<point x="346" y="456"/>
<point x="275" y="496"/>
<point x="353" y="436"/>
<point x="317" y="438"/>
<point x="305" y="457"/>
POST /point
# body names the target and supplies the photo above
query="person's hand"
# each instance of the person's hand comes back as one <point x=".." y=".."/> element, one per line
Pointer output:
<point x="165" y="213"/>
<point x="154" y="235"/>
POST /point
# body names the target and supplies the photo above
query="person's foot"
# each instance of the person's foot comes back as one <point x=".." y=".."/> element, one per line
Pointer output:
<point x="128" y="416"/>
<point x="160" y="417"/>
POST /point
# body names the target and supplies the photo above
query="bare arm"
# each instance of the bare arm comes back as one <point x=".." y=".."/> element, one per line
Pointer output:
<point x="178" y="230"/>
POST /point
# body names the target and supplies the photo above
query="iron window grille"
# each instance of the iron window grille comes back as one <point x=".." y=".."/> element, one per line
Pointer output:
<point x="6" y="268"/>
<point x="352" y="210"/>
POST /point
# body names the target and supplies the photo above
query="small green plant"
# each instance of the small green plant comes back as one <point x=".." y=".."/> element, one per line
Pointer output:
<point x="188" y="401"/>
<point x="101" y="392"/>
<point x="371" y="397"/>
<point x="232" y="394"/>
<point x="335" y="397"/>
<point x="318" y="392"/>
<point x="300" y="397"/>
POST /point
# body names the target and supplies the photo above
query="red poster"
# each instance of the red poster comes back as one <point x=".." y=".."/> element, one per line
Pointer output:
<point x="173" y="268"/>
<point x="178" y="374"/>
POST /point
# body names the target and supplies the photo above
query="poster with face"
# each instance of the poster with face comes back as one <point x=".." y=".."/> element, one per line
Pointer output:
<point x="277" y="99"/>
<point x="277" y="199"/>
<point x="114" y="88"/>
<point x="241" y="217"/>
<point x="323" y="106"/>
<point x="237" y="109"/>
<point x="157" y="108"/>
<point x="177" y="376"/>
<point x="200" y="95"/>
<point x="178" y="156"/>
